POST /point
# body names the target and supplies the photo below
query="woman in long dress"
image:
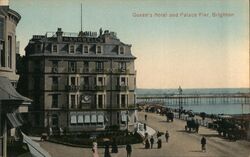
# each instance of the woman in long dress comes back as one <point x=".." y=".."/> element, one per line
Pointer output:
<point x="94" y="150"/>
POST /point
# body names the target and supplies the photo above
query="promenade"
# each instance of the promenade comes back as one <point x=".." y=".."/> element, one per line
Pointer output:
<point x="181" y="143"/>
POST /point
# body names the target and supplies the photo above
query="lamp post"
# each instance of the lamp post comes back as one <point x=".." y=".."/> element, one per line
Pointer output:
<point x="180" y="106"/>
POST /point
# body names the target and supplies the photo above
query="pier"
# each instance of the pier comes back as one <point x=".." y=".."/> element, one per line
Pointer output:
<point x="177" y="99"/>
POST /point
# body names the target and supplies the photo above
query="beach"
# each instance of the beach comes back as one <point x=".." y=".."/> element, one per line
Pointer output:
<point x="181" y="143"/>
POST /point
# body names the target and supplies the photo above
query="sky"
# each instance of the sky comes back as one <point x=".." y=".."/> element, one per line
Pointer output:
<point x="176" y="42"/>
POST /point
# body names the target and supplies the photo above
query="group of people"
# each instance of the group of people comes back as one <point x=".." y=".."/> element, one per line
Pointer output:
<point x="149" y="143"/>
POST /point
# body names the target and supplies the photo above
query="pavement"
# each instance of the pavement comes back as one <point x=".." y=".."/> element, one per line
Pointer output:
<point x="180" y="144"/>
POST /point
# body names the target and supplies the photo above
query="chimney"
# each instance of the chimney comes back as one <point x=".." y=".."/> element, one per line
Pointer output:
<point x="59" y="34"/>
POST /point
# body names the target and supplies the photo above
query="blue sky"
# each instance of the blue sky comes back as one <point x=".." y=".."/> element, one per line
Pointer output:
<point x="194" y="52"/>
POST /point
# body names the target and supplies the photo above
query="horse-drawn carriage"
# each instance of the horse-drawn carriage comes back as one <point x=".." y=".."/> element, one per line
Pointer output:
<point x="170" y="116"/>
<point x="230" y="129"/>
<point x="192" y="125"/>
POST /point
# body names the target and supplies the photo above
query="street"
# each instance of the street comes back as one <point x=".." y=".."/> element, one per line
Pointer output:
<point x="181" y="143"/>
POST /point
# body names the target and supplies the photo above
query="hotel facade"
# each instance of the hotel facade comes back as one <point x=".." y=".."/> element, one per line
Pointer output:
<point x="80" y="82"/>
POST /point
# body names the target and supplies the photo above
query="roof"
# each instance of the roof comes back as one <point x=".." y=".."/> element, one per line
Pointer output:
<point x="34" y="147"/>
<point x="9" y="93"/>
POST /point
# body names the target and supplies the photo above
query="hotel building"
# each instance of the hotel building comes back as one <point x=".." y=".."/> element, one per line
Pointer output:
<point x="81" y="82"/>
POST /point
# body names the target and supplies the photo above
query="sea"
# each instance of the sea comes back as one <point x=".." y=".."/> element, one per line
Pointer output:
<point x="218" y="108"/>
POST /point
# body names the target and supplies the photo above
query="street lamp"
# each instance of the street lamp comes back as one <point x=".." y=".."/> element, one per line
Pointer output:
<point x="180" y="107"/>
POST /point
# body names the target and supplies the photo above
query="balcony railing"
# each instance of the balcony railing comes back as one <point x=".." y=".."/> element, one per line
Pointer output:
<point x="124" y="71"/>
<point x="122" y="87"/>
<point x="87" y="87"/>
<point x="100" y="88"/>
<point x="72" y="88"/>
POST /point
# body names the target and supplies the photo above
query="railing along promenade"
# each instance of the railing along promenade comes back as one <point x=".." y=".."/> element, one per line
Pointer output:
<point x="213" y="98"/>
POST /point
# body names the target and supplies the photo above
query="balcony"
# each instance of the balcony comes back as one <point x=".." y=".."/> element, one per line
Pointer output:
<point x="86" y="87"/>
<point x="122" y="71"/>
<point x="100" y="88"/>
<point x="72" y="88"/>
<point x="122" y="88"/>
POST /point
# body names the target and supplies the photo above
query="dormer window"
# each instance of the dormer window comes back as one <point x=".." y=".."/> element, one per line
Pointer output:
<point x="86" y="49"/>
<point x="121" y="50"/>
<point x="98" y="49"/>
<point x="71" y="48"/>
<point x="54" y="48"/>
<point x="38" y="48"/>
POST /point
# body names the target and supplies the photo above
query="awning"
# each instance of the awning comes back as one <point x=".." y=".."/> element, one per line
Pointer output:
<point x="87" y="119"/>
<point x="73" y="119"/>
<point x="93" y="118"/>
<point x="9" y="93"/>
<point x="34" y="148"/>
<point x="80" y="119"/>
<point x="14" y="121"/>
<point x="100" y="118"/>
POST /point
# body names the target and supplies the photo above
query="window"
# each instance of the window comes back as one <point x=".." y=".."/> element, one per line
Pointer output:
<point x="86" y="80"/>
<point x="100" y="81"/>
<point x="72" y="66"/>
<point x="54" y="83"/>
<point x="98" y="49"/>
<point x="122" y="66"/>
<point x="99" y="66"/>
<point x="54" y="48"/>
<point x="73" y="81"/>
<point x="73" y="101"/>
<point x="38" y="47"/>
<point x="55" y="120"/>
<point x="123" y="81"/>
<point x="55" y="80"/>
<point x="1" y="28"/>
<point x="71" y="48"/>
<point x="55" y="101"/>
<point x="123" y="100"/>
<point x="121" y="50"/>
<point x="118" y="99"/>
<point x="2" y="54"/>
<point x="9" y="56"/>
<point x="85" y="66"/>
<point x="54" y="66"/>
<point x="100" y="101"/>
<point x="85" y="49"/>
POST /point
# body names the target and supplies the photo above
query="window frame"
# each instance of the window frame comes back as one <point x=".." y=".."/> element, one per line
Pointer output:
<point x="52" y="48"/>
<point x="74" y="48"/>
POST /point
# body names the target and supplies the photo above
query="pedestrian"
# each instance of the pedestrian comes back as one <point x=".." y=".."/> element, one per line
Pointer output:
<point x="203" y="144"/>
<point x="146" y="117"/>
<point x="145" y="126"/>
<point x="94" y="150"/>
<point x="129" y="150"/>
<point x="159" y="143"/>
<point x="147" y="145"/>
<point x="152" y="141"/>
<point x="106" y="152"/>
<point x="114" y="146"/>
<point x="158" y="134"/>
<point x="167" y="136"/>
